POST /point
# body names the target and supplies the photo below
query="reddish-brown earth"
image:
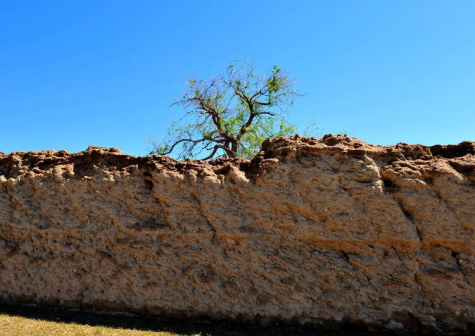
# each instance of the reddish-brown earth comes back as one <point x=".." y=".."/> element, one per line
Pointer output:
<point x="324" y="231"/>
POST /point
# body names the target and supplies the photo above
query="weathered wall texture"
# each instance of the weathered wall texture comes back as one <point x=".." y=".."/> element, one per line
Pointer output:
<point x="311" y="231"/>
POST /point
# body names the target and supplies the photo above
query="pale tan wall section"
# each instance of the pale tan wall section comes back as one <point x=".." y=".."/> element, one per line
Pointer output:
<point x="311" y="231"/>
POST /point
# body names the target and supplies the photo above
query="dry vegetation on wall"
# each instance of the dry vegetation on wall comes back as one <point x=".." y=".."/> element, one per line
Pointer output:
<point x="327" y="231"/>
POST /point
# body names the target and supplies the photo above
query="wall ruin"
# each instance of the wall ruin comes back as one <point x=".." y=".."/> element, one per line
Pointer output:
<point x="319" y="231"/>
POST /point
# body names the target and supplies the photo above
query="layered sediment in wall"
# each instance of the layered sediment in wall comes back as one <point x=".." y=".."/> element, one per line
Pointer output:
<point x="322" y="231"/>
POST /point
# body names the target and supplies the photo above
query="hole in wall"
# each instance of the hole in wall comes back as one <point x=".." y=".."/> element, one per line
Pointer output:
<point x="388" y="183"/>
<point x="148" y="179"/>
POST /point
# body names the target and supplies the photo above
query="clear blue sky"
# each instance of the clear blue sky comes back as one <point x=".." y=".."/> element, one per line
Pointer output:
<point x="78" y="73"/>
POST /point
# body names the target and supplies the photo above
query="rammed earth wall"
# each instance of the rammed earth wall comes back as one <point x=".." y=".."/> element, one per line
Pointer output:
<point x="321" y="231"/>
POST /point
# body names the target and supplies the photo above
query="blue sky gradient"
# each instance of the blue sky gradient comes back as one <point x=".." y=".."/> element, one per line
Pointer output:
<point x="79" y="73"/>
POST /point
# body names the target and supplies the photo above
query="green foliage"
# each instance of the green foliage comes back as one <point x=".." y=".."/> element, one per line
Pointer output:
<point x="230" y="115"/>
<point x="263" y="129"/>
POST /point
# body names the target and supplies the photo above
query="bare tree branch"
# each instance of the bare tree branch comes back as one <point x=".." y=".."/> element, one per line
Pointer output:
<point x="231" y="114"/>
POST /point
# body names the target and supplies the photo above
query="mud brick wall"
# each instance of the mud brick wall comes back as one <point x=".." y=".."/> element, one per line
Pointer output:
<point x="319" y="231"/>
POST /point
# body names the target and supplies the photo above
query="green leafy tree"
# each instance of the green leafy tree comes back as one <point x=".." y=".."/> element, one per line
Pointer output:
<point x="230" y="115"/>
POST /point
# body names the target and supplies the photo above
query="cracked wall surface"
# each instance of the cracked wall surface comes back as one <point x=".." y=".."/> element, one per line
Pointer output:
<point x="324" y="231"/>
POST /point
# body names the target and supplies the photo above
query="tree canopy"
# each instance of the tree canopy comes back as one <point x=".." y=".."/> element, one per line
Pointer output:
<point x="230" y="115"/>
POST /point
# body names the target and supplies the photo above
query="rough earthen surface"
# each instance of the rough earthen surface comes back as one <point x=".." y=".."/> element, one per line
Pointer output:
<point x="322" y="231"/>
